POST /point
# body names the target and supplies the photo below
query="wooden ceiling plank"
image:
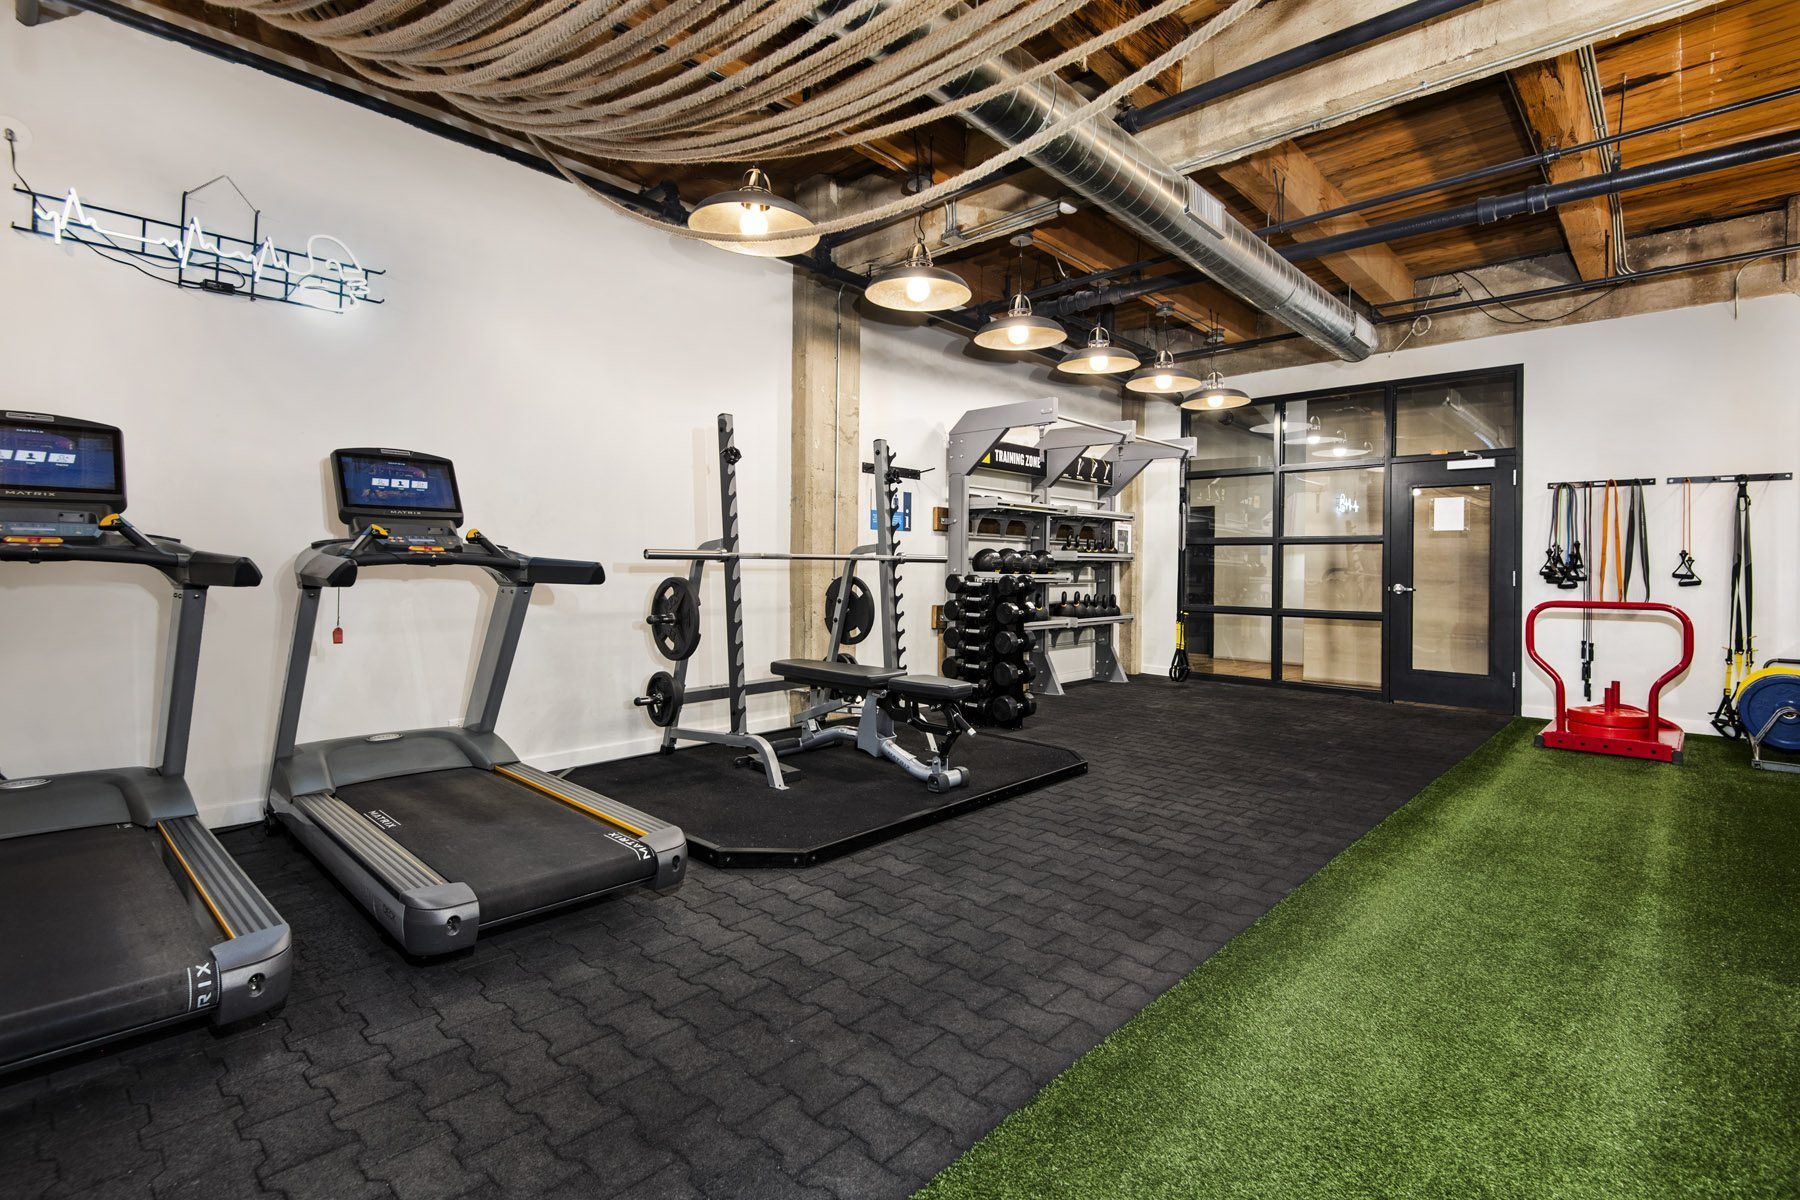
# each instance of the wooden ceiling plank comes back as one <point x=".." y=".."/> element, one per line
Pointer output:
<point x="1286" y="180"/>
<point x="1554" y="105"/>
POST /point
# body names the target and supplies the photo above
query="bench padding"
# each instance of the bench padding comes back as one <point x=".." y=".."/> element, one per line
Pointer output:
<point x="934" y="689"/>
<point x="851" y="676"/>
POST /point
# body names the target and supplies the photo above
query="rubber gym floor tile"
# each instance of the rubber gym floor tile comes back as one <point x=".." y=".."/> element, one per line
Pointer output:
<point x="817" y="1016"/>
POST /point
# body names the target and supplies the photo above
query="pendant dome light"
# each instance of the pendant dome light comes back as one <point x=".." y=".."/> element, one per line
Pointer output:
<point x="1098" y="357"/>
<point x="917" y="286"/>
<point x="1164" y="377"/>
<point x="1214" y="394"/>
<point x="1018" y="328"/>
<point x="755" y="209"/>
<point x="1340" y="447"/>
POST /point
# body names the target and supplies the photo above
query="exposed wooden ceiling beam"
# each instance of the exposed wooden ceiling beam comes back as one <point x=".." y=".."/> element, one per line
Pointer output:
<point x="1284" y="180"/>
<point x="1554" y="105"/>
<point x="1474" y="43"/>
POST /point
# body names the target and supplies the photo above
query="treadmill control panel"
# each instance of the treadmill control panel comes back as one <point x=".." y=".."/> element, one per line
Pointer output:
<point x="55" y="530"/>
<point x="413" y="542"/>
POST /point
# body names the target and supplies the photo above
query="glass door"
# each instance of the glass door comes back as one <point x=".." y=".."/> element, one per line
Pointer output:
<point x="1452" y="583"/>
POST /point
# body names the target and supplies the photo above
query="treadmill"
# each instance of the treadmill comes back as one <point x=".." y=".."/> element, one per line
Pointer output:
<point x="441" y="833"/>
<point x="123" y="912"/>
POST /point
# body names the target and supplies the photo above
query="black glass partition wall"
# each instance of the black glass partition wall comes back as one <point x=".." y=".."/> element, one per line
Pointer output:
<point x="1289" y="521"/>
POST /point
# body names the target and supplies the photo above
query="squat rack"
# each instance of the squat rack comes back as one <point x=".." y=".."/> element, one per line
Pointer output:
<point x="728" y="551"/>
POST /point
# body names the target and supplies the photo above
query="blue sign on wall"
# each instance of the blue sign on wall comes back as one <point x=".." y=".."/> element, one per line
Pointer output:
<point x="902" y="515"/>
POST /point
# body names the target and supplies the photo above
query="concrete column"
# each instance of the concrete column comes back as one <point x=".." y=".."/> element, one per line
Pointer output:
<point x="826" y="430"/>
<point x="1790" y="266"/>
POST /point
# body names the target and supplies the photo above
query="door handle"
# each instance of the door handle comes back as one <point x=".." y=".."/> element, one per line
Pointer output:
<point x="1400" y="589"/>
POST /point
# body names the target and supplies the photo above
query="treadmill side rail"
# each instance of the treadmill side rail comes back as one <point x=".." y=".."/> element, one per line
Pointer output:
<point x="423" y="911"/>
<point x="664" y="840"/>
<point x="255" y="959"/>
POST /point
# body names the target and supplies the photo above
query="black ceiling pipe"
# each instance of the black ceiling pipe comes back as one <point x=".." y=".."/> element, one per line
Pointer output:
<point x="1348" y="38"/>
<point x="1081" y="301"/>
<point x="1590" y="285"/>
<point x="1544" y="197"/>
<point x="1540" y="158"/>
<point x="1546" y="292"/>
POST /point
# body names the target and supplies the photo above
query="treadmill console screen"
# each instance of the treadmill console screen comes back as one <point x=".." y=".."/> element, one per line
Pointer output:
<point x="424" y="486"/>
<point x="53" y="458"/>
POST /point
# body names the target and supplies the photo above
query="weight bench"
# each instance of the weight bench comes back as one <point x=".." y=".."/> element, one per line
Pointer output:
<point x="883" y="695"/>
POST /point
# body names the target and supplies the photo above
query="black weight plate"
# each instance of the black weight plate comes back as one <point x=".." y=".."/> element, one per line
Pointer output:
<point x="674" y="619"/>
<point x="859" y="614"/>
<point x="663" y="699"/>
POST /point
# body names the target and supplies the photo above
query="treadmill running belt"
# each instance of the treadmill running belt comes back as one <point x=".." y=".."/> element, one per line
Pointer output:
<point x="518" y="849"/>
<point x="99" y="939"/>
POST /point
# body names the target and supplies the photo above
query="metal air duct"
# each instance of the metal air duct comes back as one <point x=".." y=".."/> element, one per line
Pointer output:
<point x="1107" y="167"/>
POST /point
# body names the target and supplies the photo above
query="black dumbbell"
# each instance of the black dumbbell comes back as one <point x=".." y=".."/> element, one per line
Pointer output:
<point x="969" y="608"/>
<point x="1005" y="709"/>
<point x="1007" y="642"/>
<point x="1012" y="585"/>
<point x="1008" y="674"/>
<point x="987" y="560"/>
<point x="1014" y="561"/>
<point x="1030" y="703"/>
<point x="966" y="665"/>
<point x="1008" y="612"/>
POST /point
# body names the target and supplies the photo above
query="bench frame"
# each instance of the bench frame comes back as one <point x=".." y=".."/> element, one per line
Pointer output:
<point x="876" y="709"/>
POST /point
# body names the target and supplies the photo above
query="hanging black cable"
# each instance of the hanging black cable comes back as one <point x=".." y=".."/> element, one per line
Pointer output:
<point x="1740" y="649"/>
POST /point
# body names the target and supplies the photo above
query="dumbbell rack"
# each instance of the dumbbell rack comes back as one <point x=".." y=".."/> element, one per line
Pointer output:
<point x="974" y="438"/>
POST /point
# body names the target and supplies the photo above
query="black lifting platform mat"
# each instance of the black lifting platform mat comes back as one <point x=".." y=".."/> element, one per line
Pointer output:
<point x="843" y="801"/>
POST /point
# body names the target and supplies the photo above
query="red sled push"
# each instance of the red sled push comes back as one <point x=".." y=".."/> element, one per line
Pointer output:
<point x="1611" y="727"/>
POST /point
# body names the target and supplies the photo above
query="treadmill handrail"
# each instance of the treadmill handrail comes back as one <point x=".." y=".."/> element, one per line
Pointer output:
<point x="182" y="564"/>
<point x="335" y="562"/>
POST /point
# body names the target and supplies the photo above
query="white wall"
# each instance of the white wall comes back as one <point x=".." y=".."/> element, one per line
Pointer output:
<point x="569" y="360"/>
<point x="1686" y="392"/>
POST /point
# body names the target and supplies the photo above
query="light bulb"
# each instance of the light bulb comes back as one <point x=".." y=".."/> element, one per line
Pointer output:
<point x="1097" y="360"/>
<point x="1162" y="383"/>
<point x="1018" y="335"/>
<point x="1214" y="400"/>
<point x="918" y="290"/>
<point x="754" y="219"/>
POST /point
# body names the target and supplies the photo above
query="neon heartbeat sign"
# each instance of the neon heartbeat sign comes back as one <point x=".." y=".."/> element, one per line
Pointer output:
<point x="326" y="275"/>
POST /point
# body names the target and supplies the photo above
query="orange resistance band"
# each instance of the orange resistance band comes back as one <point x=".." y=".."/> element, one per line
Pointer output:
<point x="1612" y="539"/>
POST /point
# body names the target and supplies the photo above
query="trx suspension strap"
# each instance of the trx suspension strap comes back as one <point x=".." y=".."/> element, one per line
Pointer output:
<point x="1740" y="650"/>
<point x="1575" y="570"/>
<point x="1683" y="574"/>
<point x="1552" y="570"/>
<point x="1637" y="541"/>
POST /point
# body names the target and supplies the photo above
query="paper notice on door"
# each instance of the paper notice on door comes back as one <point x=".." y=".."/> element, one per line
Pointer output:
<point x="1447" y="515"/>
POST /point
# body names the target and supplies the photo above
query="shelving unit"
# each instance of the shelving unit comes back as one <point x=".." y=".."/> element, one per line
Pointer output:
<point x="991" y="478"/>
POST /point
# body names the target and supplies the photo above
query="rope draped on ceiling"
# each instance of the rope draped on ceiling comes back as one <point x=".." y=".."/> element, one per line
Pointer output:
<point x="714" y="81"/>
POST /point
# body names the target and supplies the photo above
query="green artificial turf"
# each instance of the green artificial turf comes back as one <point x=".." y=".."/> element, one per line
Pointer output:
<point x="1549" y="975"/>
